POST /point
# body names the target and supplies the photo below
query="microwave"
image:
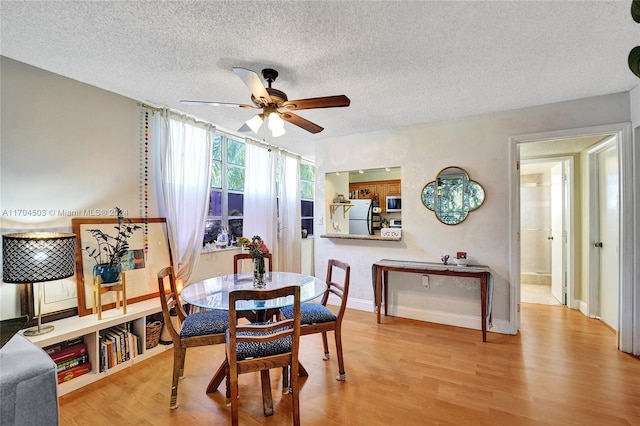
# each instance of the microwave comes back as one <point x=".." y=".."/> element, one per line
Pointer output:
<point x="394" y="203"/>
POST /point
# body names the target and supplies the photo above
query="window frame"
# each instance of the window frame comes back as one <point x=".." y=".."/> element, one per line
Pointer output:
<point x="304" y="164"/>
<point x="224" y="218"/>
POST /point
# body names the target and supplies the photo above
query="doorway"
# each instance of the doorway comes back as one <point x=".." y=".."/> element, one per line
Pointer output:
<point x="579" y="295"/>
<point x="545" y="186"/>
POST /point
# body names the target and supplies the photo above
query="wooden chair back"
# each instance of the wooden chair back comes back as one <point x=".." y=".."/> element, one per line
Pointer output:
<point x="203" y="328"/>
<point x="339" y="289"/>
<point x="338" y="276"/>
<point x="262" y="336"/>
<point x="169" y="299"/>
<point x="241" y="256"/>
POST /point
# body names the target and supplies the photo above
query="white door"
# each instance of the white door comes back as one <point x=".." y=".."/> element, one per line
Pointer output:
<point x="557" y="234"/>
<point x="608" y="197"/>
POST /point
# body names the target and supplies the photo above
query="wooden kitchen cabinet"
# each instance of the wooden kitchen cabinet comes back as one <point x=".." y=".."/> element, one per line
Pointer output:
<point x="379" y="189"/>
<point x="393" y="187"/>
<point x="364" y="190"/>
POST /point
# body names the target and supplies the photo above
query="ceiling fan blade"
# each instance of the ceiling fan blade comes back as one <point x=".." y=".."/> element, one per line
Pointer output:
<point x="324" y="102"/>
<point x="301" y="122"/>
<point x="244" y="128"/>
<point x="210" y="103"/>
<point x="253" y="82"/>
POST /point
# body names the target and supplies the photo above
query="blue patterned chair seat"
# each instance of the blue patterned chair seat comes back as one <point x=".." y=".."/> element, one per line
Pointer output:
<point x="247" y="350"/>
<point x="205" y="322"/>
<point x="310" y="313"/>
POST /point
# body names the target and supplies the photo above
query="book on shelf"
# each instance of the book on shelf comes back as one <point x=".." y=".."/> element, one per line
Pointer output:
<point x="74" y="372"/>
<point x="73" y="362"/>
<point x="123" y="332"/>
<point x="120" y="349"/>
<point x="108" y="349"/>
<point x="59" y="347"/>
<point x="117" y="345"/>
<point x="70" y="352"/>
<point x="134" y="345"/>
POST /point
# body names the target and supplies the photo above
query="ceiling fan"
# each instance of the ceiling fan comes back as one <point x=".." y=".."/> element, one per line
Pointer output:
<point x="274" y="104"/>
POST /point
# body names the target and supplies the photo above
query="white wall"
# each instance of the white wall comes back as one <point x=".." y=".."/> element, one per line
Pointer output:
<point x="478" y="144"/>
<point x="335" y="184"/>
<point x="64" y="146"/>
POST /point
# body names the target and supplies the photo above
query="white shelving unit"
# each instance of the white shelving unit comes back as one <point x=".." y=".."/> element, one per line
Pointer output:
<point x="89" y="327"/>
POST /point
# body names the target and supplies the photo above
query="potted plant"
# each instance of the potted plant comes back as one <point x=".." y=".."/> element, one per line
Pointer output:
<point x="110" y="249"/>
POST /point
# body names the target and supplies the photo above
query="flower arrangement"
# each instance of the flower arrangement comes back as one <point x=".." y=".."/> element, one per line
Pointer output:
<point x="111" y="248"/>
<point x="257" y="248"/>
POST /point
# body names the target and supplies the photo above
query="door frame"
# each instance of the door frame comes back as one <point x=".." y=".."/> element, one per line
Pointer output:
<point x="627" y="226"/>
<point x="568" y="209"/>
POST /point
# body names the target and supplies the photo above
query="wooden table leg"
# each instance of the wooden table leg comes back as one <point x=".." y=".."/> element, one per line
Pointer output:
<point x="378" y="295"/>
<point x="483" y="310"/>
<point x="218" y="377"/>
<point x="267" y="398"/>
<point x="385" y="289"/>
<point x="302" y="372"/>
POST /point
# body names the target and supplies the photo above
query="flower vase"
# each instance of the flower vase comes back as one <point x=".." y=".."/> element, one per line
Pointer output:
<point x="258" y="273"/>
<point x="109" y="274"/>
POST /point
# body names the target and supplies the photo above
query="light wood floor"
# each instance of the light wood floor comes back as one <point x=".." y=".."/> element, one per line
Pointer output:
<point x="562" y="369"/>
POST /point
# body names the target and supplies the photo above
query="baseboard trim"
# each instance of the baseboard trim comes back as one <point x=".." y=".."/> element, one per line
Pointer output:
<point x="438" y="317"/>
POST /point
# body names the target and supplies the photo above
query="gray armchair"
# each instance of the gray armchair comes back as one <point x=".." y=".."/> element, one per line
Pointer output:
<point x="28" y="384"/>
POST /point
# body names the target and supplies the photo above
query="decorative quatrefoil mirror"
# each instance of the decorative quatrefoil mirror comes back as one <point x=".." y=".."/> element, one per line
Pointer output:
<point x="452" y="195"/>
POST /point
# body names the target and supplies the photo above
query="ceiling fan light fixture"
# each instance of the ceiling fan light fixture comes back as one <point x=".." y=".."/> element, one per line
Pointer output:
<point x="278" y="132"/>
<point x="275" y="122"/>
<point x="275" y="104"/>
<point x="255" y="122"/>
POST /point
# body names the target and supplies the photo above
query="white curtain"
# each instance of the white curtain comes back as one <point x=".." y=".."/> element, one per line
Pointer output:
<point x="289" y="241"/>
<point x="186" y="149"/>
<point x="260" y="203"/>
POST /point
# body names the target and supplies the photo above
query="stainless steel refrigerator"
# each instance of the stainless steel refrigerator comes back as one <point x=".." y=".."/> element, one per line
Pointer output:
<point x="362" y="220"/>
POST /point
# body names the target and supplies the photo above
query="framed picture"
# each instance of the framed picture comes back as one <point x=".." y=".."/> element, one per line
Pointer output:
<point x="148" y="253"/>
<point x="59" y="300"/>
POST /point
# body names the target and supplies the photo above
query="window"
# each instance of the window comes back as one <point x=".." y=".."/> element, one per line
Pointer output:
<point x="226" y="201"/>
<point x="226" y="194"/>
<point x="307" y="195"/>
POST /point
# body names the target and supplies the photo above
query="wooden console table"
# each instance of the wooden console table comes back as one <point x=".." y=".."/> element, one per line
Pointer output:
<point x="382" y="267"/>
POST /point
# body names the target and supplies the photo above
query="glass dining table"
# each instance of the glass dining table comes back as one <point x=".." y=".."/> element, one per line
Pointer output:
<point x="213" y="293"/>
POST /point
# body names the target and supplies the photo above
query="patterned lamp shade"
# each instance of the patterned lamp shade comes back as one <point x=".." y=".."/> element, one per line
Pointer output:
<point x="34" y="257"/>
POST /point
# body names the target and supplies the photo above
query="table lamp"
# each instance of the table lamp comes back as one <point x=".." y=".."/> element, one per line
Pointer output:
<point x="37" y="257"/>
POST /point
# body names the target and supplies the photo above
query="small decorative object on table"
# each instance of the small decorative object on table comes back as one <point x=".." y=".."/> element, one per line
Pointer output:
<point x="257" y="248"/>
<point x="445" y="259"/>
<point x="108" y="255"/>
<point x="222" y="241"/>
<point x="462" y="259"/>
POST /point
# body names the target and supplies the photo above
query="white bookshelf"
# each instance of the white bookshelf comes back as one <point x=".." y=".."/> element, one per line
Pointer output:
<point x="89" y="328"/>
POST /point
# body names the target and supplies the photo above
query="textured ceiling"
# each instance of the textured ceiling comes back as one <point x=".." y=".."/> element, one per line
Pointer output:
<point x="401" y="63"/>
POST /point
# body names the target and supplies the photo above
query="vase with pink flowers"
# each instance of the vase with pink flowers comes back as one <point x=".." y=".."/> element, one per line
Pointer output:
<point x="258" y="249"/>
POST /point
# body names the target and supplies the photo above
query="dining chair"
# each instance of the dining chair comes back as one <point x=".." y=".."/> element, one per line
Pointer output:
<point x="262" y="346"/>
<point x="317" y="318"/>
<point x="196" y="329"/>
<point x="241" y="256"/>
